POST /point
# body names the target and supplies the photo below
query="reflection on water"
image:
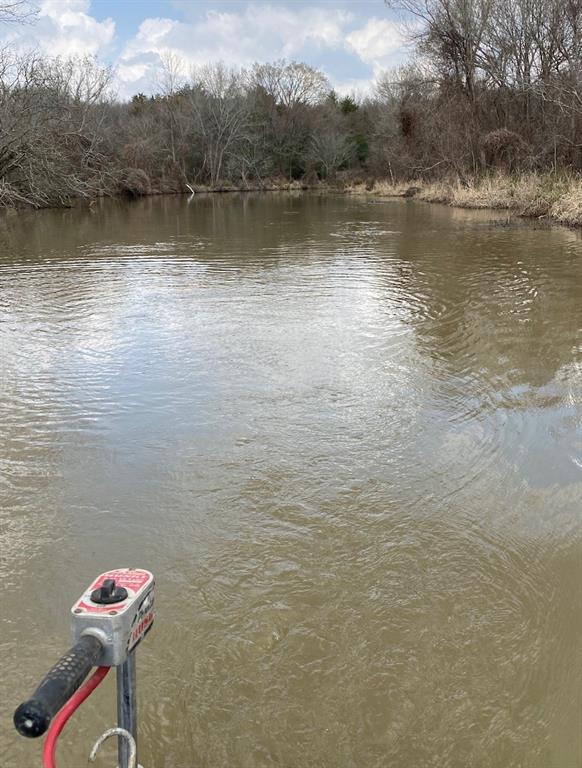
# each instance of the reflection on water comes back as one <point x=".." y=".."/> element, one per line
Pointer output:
<point x="346" y="437"/>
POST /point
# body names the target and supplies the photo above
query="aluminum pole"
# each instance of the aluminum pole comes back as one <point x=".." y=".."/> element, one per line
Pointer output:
<point x="126" y="706"/>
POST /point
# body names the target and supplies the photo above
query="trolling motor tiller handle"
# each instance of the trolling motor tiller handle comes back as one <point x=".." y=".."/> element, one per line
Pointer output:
<point x="33" y="717"/>
<point x="109" y="620"/>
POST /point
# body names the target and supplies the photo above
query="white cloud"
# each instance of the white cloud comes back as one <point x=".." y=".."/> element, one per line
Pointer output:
<point x="65" y="28"/>
<point x="152" y="34"/>
<point x="378" y="43"/>
<point x="257" y="33"/>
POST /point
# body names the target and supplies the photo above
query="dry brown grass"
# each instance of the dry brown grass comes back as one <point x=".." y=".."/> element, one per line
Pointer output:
<point x="557" y="197"/>
<point x="486" y="193"/>
<point x="437" y="192"/>
<point x="527" y="195"/>
<point x="568" y="208"/>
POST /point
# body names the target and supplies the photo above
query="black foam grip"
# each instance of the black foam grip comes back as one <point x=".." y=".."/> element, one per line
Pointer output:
<point x="33" y="717"/>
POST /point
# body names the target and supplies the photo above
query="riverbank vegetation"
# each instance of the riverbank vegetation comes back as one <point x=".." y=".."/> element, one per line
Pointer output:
<point x="487" y="113"/>
<point x="557" y="197"/>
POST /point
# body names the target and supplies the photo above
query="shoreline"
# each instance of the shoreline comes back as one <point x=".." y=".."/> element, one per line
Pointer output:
<point x="553" y="197"/>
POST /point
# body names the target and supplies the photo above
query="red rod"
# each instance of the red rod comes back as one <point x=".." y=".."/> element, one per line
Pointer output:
<point x="50" y="744"/>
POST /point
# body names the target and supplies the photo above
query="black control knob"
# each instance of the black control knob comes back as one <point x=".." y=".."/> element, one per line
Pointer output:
<point x="109" y="593"/>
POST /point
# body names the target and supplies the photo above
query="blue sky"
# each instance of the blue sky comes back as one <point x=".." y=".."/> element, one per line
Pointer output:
<point x="352" y="42"/>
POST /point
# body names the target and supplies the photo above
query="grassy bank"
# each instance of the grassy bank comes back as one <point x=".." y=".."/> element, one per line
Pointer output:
<point x="557" y="197"/>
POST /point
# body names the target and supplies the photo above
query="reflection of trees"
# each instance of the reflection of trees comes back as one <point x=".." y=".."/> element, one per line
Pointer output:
<point x="222" y="226"/>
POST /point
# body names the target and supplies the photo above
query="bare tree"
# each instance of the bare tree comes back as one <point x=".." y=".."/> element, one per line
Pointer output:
<point x="221" y="112"/>
<point x="331" y="148"/>
<point x="291" y="83"/>
<point x="170" y="80"/>
<point x="450" y="33"/>
<point x="289" y="92"/>
<point x="49" y="145"/>
<point x="17" y="11"/>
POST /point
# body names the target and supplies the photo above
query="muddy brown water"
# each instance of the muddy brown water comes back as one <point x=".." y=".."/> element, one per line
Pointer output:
<point x="347" y="439"/>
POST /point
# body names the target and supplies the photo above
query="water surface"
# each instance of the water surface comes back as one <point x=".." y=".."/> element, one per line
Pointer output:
<point x="345" y="435"/>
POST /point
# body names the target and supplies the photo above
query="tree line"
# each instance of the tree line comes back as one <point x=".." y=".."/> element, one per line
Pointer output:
<point x="492" y="84"/>
<point x="64" y="136"/>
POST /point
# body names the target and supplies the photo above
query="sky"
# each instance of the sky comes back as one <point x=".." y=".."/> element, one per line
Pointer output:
<point x="352" y="42"/>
